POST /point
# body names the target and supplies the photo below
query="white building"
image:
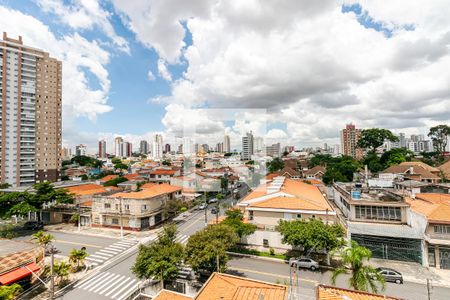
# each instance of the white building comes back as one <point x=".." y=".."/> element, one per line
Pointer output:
<point x="118" y="148"/>
<point x="226" y="144"/>
<point x="258" y="144"/>
<point x="247" y="146"/>
<point x="80" y="150"/>
<point x="157" y="146"/>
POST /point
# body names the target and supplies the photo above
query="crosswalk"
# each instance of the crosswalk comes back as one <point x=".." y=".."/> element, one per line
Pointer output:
<point x="182" y="239"/>
<point x="109" y="252"/>
<point x="110" y="285"/>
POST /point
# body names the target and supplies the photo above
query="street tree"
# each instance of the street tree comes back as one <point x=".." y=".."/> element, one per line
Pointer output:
<point x="235" y="219"/>
<point x="160" y="260"/>
<point x="363" y="277"/>
<point x="439" y="136"/>
<point x="10" y="292"/>
<point x="275" y="165"/>
<point x="206" y="250"/>
<point x="43" y="239"/>
<point x="312" y="235"/>
<point x="373" y="138"/>
<point x="172" y="207"/>
<point x="61" y="270"/>
<point x="77" y="257"/>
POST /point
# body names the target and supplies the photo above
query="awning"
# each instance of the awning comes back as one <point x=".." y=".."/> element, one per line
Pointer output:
<point x="18" y="273"/>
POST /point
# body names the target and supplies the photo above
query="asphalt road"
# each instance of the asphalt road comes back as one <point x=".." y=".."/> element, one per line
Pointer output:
<point x="279" y="272"/>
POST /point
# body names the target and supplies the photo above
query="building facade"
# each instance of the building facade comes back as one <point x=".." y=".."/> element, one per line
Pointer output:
<point x="226" y="144"/>
<point x="102" y="149"/>
<point x="30" y="142"/>
<point x="157" y="146"/>
<point x="118" y="151"/>
<point x="349" y="139"/>
<point x="80" y="150"/>
<point x="247" y="146"/>
<point x="143" y="147"/>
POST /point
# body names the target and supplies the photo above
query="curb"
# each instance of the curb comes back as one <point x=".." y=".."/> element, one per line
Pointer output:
<point x="272" y="259"/>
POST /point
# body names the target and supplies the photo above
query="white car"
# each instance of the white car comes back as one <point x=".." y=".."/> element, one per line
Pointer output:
<point x="213" y="200"/>
<point x="306" y="263"/>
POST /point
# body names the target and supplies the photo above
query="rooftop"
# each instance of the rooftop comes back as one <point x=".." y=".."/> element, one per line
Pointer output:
<point x="228" y="287"/>
<point x="10" y="246"/>
<point x="325" y="292"/>
<point x="435" y="207"/>
<point x="149" y="190"/>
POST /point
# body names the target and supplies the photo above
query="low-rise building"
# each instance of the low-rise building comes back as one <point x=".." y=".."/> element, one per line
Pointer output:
<point x="163" y="175"/>
<point x="134" y="210"/>
<point x="18" y="261"/>
<point x="327" y="292"/>
<point x="380" y="220"/>
<point x="316" y="172"/>
<point x="414" y="170"/>
<point x="282" y="199"/>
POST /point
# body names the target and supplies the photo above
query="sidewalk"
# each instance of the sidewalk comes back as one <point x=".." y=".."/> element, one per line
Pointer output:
<point x="101" y="232"/>
<point x="413" y="272"/>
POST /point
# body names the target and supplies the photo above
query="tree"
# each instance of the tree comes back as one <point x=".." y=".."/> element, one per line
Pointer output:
<point x="83" y="160"/>
<point x="341" y="169"/>
<point x="4" y="185"/>
<point x="224" y="183"/>
<point x="77" y="257"/>
<point x="171" y="207"/>
<point x="320" y="160"/>
<point x="208" y="247"/>
<point x="220" y="196"/>
<point x="275" y="165"/>
<point x="373" y="138"/>
<point x="9" y="292"/>
<point x="115" y="181"/>
<point x="61" y="270"/>
<point x="235" y="219"/>
<point x="373" y="162"/>
<point x="439" y="136"/>
<point x="161" y="259"/>
<point x="363" y="277"/>
<point x="120" y="166"/>
<point x="395" y="156"/>
<point x="42" y="238"/>
<point x="311" y="235"/>
<point x="166" y="162"/>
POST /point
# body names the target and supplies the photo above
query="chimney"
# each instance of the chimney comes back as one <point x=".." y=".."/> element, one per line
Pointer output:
<point x="411" y="170"/>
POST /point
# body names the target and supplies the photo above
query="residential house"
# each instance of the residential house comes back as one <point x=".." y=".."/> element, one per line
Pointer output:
<point x="445" y="170"/>
<point x="18" y="260"/>
<point x="163" y="175"/>
<point x="289" y="173"/>
<point x="134" y="210"/>
<point x="433" y="214"/>
<point x="414" y="170"/>
<point x="327" y="292"/>
<point x="282" y="199"/>
<point x="380" y="220"/>
<point x="316" y="172"/>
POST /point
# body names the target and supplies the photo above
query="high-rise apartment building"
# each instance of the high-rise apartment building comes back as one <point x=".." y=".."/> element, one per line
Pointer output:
<point x="66" y="153"/>
<point x="30" y="114"/>
<point x="80" y="150"/>
<point x="349" y="139"/>
<point x="167" y="148"/>
<point x="258" y="144"/>
<point x="102" y="149"/>
<point x="274" y="150"/>
<point x="157" y="146"/>
<point x="247" y="146"/>
<point x="226" y="144"/>
<point x="118" y="146"/>
<point x="143" y="147"/>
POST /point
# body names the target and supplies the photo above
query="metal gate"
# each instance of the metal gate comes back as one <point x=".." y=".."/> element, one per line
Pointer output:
<point x="444" y="257"/>
<point x="391" y="248"/>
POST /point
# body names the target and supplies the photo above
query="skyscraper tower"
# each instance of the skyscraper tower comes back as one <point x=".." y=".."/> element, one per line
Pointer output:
<point x="226" y="144"/>
<point x="247" y="146"/>
<point x="102" y="149"/>
<point x="157" y="147"/>
<point x="30" y="106"/>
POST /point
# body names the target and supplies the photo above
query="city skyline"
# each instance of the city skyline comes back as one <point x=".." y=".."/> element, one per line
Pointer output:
<point x="167" y="79"/>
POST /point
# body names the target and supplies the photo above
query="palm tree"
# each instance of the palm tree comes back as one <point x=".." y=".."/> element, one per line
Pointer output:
<point x="77" y="257"/>
<point x="363" y="277"/>
<point x="43" y="239"/>
<point x="9" y="292"/>
<point x="61" y="270"/>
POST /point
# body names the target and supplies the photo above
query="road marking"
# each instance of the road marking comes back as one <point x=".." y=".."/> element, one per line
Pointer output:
<point x="80" y="244"/>
<point x="118" y="283"/>
<point x="270" y="274"/>
<point x="99" y="256"/>
<point x="118" y="286"/>
<point x="111" y="280"/>
<point x="107" y="277"/>
<point x="130" y="291"/>
<point x="93" y="259"/>
<point x="88" y="281"/>
<point x="123" y="289"/>
<point x="117" y="247"/>
<point x="110" y="251"/>
<point x="104" y="253"/>
<point x="126" y="243"/>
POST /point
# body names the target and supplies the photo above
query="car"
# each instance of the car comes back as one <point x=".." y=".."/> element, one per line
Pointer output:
<point x="306" y="263"/>
<point x="214" y="210"/>
<point x="391" y="275"/>
<point x="202" y="206"/>
<point x="34" y="225"/>
<point x="213" y="200"/>
<point x="238" y="185"/>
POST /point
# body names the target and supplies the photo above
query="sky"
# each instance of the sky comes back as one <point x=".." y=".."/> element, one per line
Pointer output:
<point x="291" y="71"/>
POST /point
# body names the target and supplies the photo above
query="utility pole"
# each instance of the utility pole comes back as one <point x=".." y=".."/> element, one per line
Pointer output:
<point x="79" y="216"/>
<point x="121" y="221"/>
<point x="52" y="278"/>
<point x="206" y="208"/>
<point x="429" y="288"/>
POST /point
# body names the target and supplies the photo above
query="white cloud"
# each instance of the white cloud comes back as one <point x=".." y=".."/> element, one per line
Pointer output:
<point x="79" y="56"/>
<point x="276" y="134"/>
<point x="311" y="65"/>
<point x="150" y="75"/>
<point x="84" y="14"/>
<point x="163" y="71"/>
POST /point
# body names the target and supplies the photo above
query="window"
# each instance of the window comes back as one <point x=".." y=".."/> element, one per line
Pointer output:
<point x="115" y="221"/>
<point x="378" y="213"/>
<point x="127" y="207"/>
<point x="443" y="229"/>
<point x="250" y="215"/>
<point x="299" y="216"/>
<point x="265" y="242"/>
<point x="107" y="205"/>
<point x="117" y="206"/>
<point x="144" y="207"/>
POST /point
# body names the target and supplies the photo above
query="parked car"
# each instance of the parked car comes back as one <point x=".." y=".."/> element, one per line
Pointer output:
<point x="202" y="206"/>
<point x="306" y="263"/>
<point x="238" y="185"/>
<point x="391" y="275"/>
<point x="34" y="225"/>
<point x="214" y="210"/>
<point x="213" y="200"/>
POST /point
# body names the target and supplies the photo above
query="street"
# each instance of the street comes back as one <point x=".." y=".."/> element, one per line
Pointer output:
<point x="279" y="272"/>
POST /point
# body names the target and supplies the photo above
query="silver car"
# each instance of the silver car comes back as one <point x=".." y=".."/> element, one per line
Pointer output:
<point x="306" y="263"/>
